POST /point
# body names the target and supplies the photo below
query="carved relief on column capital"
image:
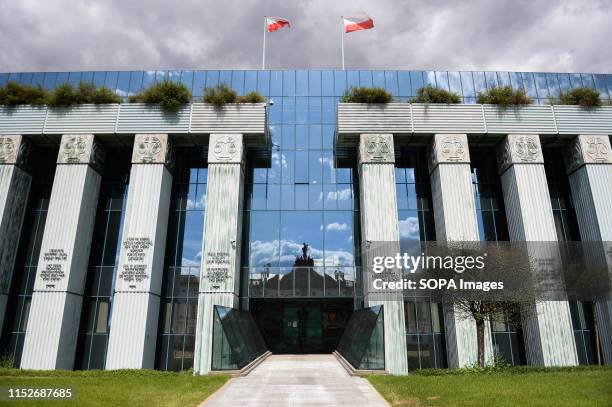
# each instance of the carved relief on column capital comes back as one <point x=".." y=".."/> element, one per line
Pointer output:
<point x="448" y="149"/>
<point x="587" y="149"/>
<point x="519" y="149"/>
<point x="152" y="149"/>
<point x="225" y="149"/>
<point x="81" y="149"/>
<point x="376" y="148"/>
<point x="14" y="150"/>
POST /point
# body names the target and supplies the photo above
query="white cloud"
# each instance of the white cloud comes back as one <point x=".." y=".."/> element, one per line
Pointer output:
<point x="566" y="35"/>
<point x="337" y="226"/>
<point x="409" y="228"/>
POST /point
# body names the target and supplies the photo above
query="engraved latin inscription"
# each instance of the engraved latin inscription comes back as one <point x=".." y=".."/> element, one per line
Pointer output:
<point x="135" y="268"/>
<point x="54" y="266"/>
<point x="217" y="268"/>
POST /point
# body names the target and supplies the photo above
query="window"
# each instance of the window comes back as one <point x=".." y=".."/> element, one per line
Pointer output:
<point x="184" y="245"/>
<point x="24" y="274"/>
<point x="413" y="190"/>
<point x="99" y="284"/>
<point x="425" y="337"/>
<point x="488" y="197"/>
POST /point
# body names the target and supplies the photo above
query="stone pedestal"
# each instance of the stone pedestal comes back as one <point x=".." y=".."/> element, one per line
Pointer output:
<point x="14" y="190"/>
<point x="455" y="220"/>
<point x="379" y="223"/>
<point x="55" y="311"/>
<point x="135" y="311"/>
<point x="220" y="269"/>
<point x="589" y="165"/>
<point x="547" y="326"/>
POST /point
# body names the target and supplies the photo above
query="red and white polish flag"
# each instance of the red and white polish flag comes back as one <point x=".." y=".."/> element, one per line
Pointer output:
<point x="276" y="23"/>
<point x="356" y="22"/>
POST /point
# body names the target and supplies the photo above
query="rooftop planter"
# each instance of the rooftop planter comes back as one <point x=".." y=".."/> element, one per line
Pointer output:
<point x="195" y="118"/>
<point x="415" y="118"/>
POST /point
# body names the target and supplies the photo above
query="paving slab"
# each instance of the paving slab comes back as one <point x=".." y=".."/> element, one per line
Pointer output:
<point x="300" y="381"/>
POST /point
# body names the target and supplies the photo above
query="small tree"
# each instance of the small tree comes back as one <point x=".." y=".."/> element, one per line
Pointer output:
<point x="366" y="95"/>
<point x="168" y="94"/>
<point x="431" y="94"/>
<point x="518" y="302"/>
<point x="504" y="96"/>
<point x="14" y="93"/>
<point x="583" y="96"/>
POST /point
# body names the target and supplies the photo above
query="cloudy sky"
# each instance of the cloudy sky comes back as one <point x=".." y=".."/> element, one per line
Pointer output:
<point x="538" y="35"/>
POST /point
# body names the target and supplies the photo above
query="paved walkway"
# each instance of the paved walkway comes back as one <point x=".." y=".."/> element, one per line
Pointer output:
<point x="297" y="380"/>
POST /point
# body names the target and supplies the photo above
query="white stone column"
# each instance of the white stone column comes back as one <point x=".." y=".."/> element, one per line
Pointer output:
<point x="455" y="220"/>
<point x="379" y="223"/>
<point x="136" y="299"/>
<point x="547" y="327"/>
<point x="14" y="190"/>
<point x="55" y="311"/>
<point x="589" y="165"/>
<point x="220" y="269"/>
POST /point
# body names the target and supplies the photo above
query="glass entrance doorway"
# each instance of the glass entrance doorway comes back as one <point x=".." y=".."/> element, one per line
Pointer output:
<point x="301" y="326"/>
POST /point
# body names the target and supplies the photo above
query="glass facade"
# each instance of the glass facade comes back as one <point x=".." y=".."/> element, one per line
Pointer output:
<point x="363" y="341"/>
<point x="488" y="196"/>
<point x="328" y="83"/>
<point x="184" y="243"/>
<point x="103" y="257"/>
<point x="22" y="286"/>
<point x="301" y="210"/>
<point x="425" y="337"/>
<point x="492" y="227"/>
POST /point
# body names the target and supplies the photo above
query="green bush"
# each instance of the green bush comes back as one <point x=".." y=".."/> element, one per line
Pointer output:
<point x="251" y="97"/>
<point x="431" y="94"/>
<point x="366" y="95"/>
<point x="585" y="97"/>
<point x="504" y="96"/>
<point x="62" y="95"/>
<point x="220" y="95"/>
<point x="88" y="93"/>
<point x="168" y="94"/>
<point x="15" y="93"/>
<point x="66" y="95"/>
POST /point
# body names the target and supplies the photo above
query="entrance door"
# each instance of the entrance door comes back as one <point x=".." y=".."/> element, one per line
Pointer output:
<point x="306" y="326"/>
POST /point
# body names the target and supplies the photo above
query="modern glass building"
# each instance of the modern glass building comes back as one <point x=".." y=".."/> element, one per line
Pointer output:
<point x="132" y="243"/>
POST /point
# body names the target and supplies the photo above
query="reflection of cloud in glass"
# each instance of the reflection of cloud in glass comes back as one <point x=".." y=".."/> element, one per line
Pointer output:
<point x="341" y="195"/>
<point x="285" y="252"/>
<point x="200" y="204"/>
<point x="337" y="226"/>
<point x="409" y="228"/>
<point x="194" y="262"/>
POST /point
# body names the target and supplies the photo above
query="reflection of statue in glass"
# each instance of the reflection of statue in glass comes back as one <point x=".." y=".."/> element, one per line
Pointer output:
<point x="304" y="260"/>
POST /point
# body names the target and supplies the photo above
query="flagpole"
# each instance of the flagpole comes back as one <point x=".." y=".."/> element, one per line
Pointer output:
<point x="342" y="36"/>
<point x="263" y="58"/>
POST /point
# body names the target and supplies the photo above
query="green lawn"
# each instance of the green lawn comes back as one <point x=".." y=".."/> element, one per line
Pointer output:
<point x="120" y="388"/>
<point x="513" y="387"/>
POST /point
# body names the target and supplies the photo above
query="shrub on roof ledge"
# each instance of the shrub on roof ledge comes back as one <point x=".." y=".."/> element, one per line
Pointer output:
<point x="222" y="94"/>
<point x="251" y="97"/>
<point x="585" y="97"/>
<point x="504" y="96"/>
<point x="363" y="94"/>
<point x="168" y="94"/>
<point x="14" y="93"/>
<point x="431" y="94"/>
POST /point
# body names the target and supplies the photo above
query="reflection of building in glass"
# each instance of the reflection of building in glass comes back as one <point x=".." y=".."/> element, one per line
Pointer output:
<point x="298" y="222"/>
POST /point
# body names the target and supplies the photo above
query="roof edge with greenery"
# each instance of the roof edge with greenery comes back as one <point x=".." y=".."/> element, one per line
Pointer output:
<point x="363" y="94"/>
